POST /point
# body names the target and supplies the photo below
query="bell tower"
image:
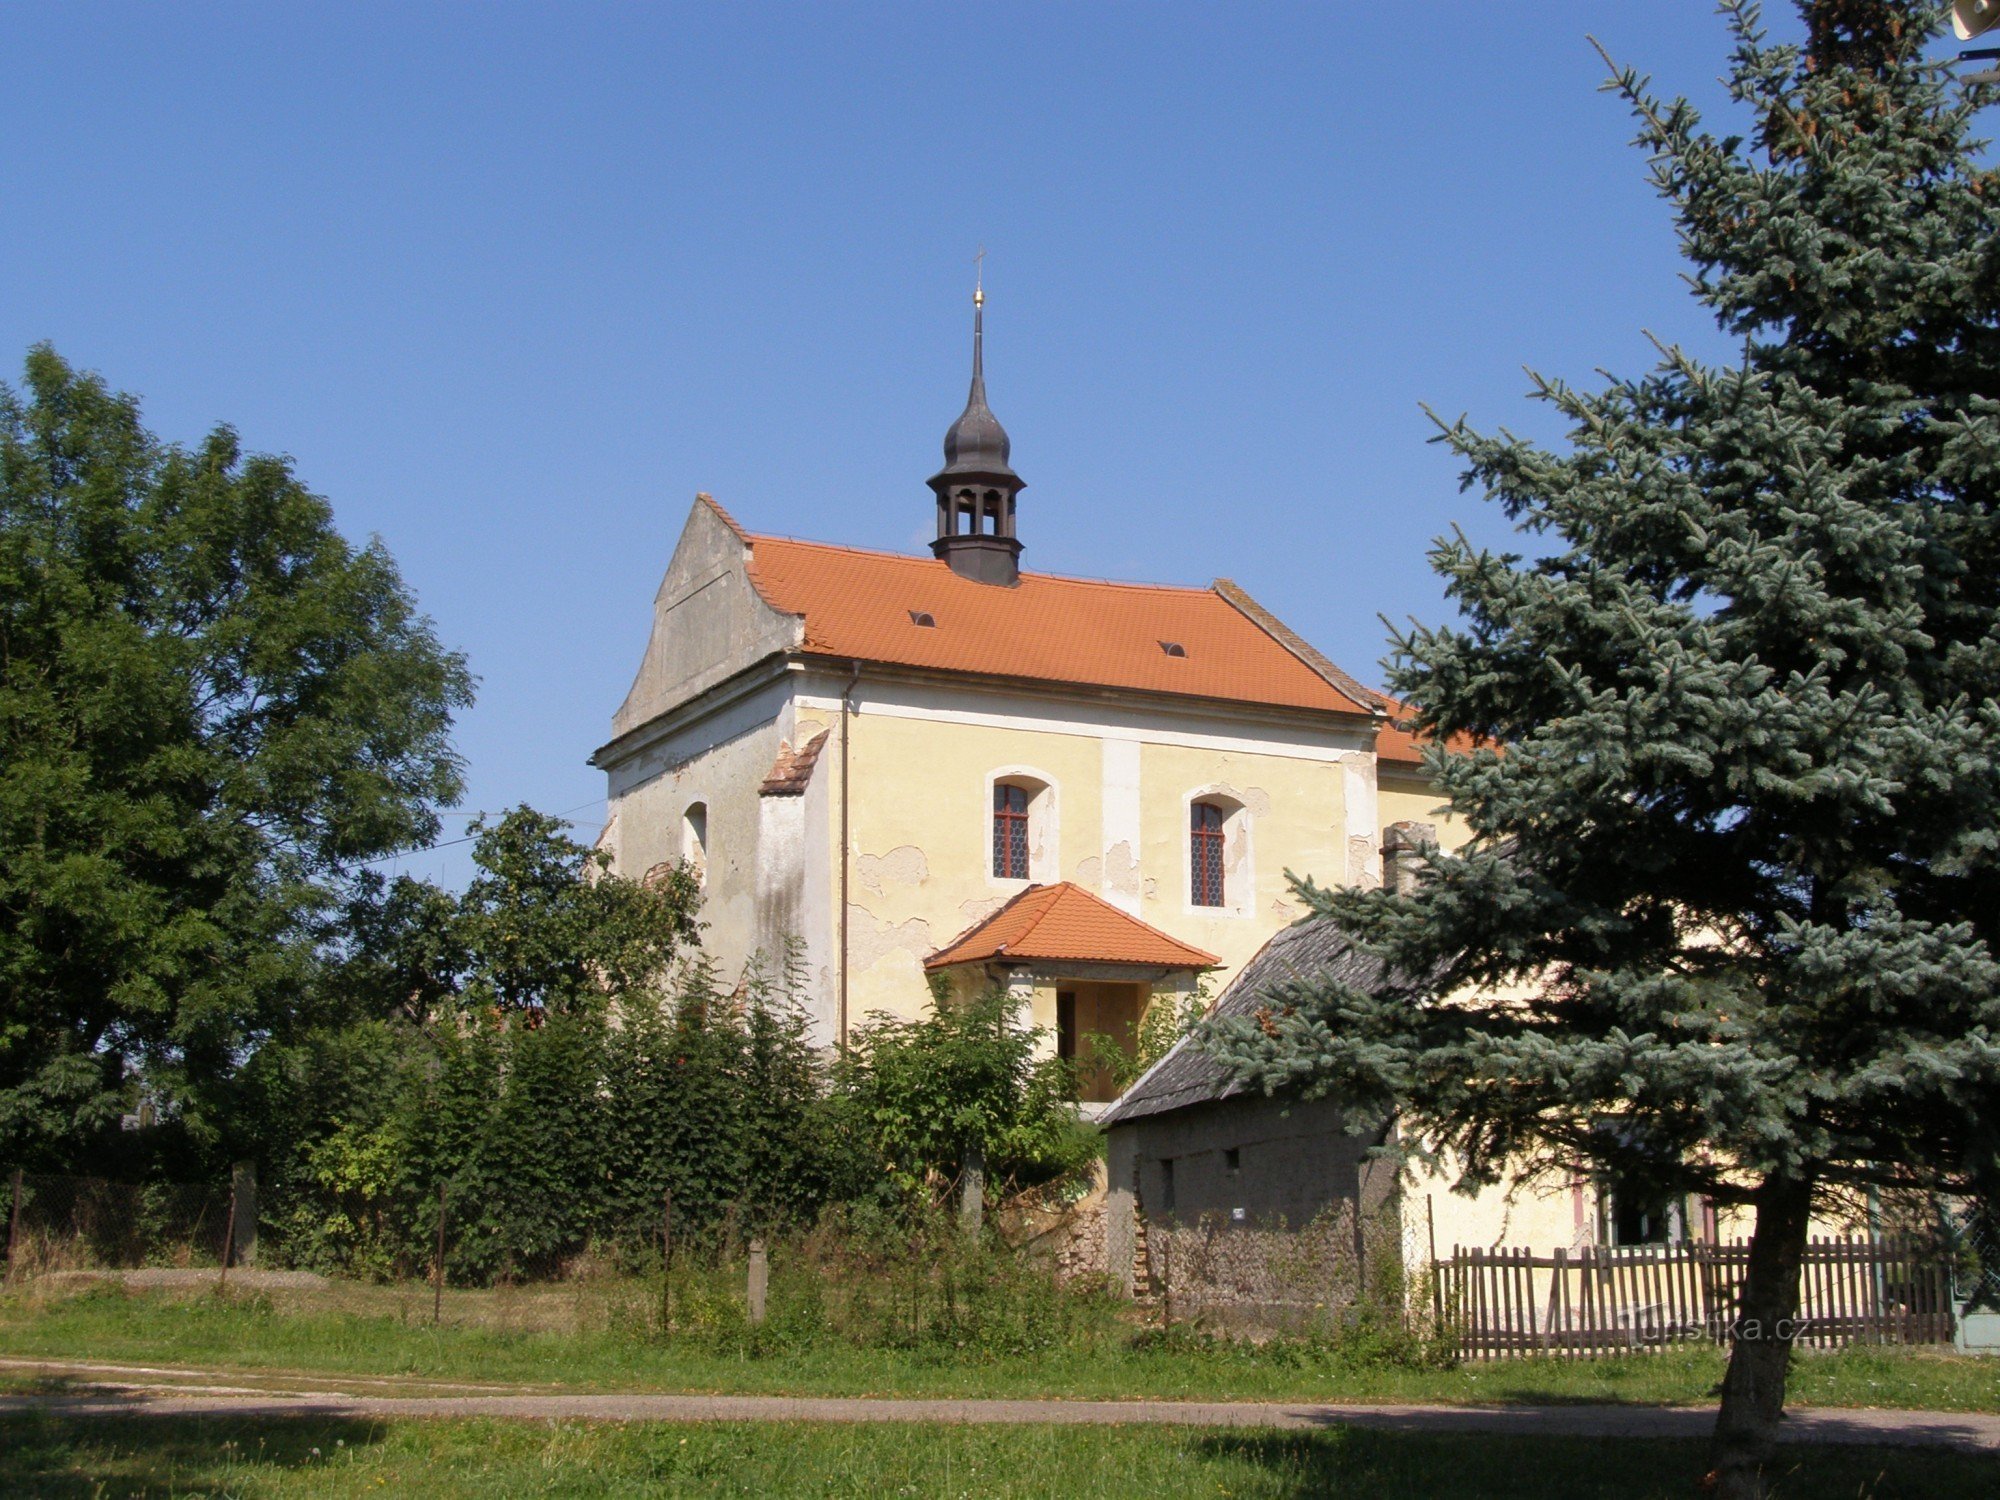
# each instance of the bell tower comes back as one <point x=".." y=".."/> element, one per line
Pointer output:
<point x="976" y="487"/>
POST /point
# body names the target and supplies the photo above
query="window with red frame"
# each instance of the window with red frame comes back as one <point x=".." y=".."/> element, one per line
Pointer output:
<point x="1010" y="832"/>
<point x="1205" y="852"/>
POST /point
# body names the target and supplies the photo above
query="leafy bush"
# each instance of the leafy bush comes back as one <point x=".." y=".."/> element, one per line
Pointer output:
<point x="963" y="1082"/>
<point x="549" y="1132"/>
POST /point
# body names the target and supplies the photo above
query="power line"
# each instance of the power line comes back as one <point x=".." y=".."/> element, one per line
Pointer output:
<point x="561" y="817"/>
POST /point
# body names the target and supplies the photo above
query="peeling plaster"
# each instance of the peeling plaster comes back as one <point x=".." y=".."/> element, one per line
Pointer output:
<point x="1121" y="870"/>
<point x="1090" y="873"/>
<point x="1254" y="800"/>
<point x="903" y="865"/>
<point x="979" y="910"/>
<point x="870" y="939"/>
<point x="1361" y="867"/>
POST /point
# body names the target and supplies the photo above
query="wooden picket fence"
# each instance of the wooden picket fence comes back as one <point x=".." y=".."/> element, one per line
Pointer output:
<point x="1600" y="1299"/>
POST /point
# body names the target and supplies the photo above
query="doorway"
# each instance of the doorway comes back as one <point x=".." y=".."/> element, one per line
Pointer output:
<point x="1097" y="1028"/>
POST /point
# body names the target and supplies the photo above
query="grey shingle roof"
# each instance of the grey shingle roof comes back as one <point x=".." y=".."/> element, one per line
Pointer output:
<point x="1314" y="950"/>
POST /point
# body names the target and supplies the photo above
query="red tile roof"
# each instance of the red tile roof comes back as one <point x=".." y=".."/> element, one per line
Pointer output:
<point x="860" y="605"/>
<point x="1066" y="923"/>
<point x="1399" y="745"/>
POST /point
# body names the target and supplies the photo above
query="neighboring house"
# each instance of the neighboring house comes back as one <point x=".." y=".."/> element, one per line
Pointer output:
<point x="943" y="766"/>
<point x="1187" y="1145"/>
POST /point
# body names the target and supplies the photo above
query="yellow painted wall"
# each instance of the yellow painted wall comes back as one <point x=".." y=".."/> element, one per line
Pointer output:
<point x="1540" y="1215"/>
<point x="1403" y="798"/>
<point x="921" y="855"/>
<point x="1297" y="820"/>
<point x="920" y="840"/>
<point x="1544" y="1214"/>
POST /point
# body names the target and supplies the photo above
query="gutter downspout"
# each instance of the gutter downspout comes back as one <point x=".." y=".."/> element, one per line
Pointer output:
<point x="846" y="712"/>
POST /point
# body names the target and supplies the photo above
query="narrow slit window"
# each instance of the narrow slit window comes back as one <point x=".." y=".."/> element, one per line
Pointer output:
<point x="1205" y="830"/>
<point x="1010" y="832"/>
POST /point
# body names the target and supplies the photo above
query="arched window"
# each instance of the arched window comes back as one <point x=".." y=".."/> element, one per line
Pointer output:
<point x="1010" y="831"/>
<point x="1021" y="804"/>
<point x="694" y="839"/>
<point x="1205" y="846"/>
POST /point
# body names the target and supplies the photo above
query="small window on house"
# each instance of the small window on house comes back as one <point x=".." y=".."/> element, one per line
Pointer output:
<point x="924" y="618"/>
<point x="1205" y="830"/>
<point x="1639" y="1215"/>
<point x="1010" y="831"/>
<point x="1173" y="648"/>
<point x="694" y="839"/>
<point x="1232" y="1160"/>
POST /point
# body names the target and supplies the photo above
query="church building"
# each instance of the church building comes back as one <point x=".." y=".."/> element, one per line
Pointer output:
<point x="945" y="766"/>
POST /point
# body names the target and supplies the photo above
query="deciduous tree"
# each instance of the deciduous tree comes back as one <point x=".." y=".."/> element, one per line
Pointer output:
<point x="212" y="709"/>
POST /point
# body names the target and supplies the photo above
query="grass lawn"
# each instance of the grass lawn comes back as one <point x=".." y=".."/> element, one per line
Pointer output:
<point x="298" y="1459"/>
<point x="601" y="1350"/>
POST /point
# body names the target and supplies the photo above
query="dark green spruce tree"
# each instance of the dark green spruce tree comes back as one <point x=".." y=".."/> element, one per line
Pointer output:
<point x="213" y="708"/>
<point x="1736" y="831"/>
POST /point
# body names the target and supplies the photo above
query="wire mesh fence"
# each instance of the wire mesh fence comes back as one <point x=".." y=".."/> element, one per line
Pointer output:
<point x="912" y="1278"/>
<point x="1250" y="1275"/>
<point x="905" y="1279"/>
<point x="1975" y="1233"/>
<point x="65" y="1224"/>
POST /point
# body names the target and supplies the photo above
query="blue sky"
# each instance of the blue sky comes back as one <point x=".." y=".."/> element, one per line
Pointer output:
<point x="511" y="282"/>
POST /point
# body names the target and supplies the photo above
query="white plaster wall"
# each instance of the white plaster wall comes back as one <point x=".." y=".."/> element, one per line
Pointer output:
<point x="1124" y="830"/>
<point x="708" y="623"/>
<point x="755" y="890"/>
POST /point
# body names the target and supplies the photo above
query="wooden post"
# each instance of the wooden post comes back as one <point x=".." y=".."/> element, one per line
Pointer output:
<point x="1437" y="1285"/>
<point x="1360" y="1249"/>
<point x="14" y="1227"/>
<point x="1556" y="1273"/>
<point x="760" y="1281"/>
<point x="667" y="1262"/>
<point x="228" y="1244"/>
<point x="437" y="1264"/>
<point x="243" y="1191"/>
<point x="972" y="1190"/>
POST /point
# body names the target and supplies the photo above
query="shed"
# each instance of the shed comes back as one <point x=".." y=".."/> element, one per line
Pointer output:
<point x="1187" y="1144"/>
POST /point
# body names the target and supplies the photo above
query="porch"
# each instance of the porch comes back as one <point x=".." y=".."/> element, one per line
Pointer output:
<point x="1088" y="975"/>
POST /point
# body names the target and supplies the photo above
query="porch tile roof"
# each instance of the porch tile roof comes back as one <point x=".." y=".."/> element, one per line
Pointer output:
<point x="1065" y="923"/>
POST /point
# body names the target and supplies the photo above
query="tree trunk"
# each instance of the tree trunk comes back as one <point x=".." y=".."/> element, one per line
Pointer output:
<point x="1753" y="1390"/>
<point x="972" y="1191"/>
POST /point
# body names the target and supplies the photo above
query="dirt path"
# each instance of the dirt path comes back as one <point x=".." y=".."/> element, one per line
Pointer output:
<point x="98" y="1390"/>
